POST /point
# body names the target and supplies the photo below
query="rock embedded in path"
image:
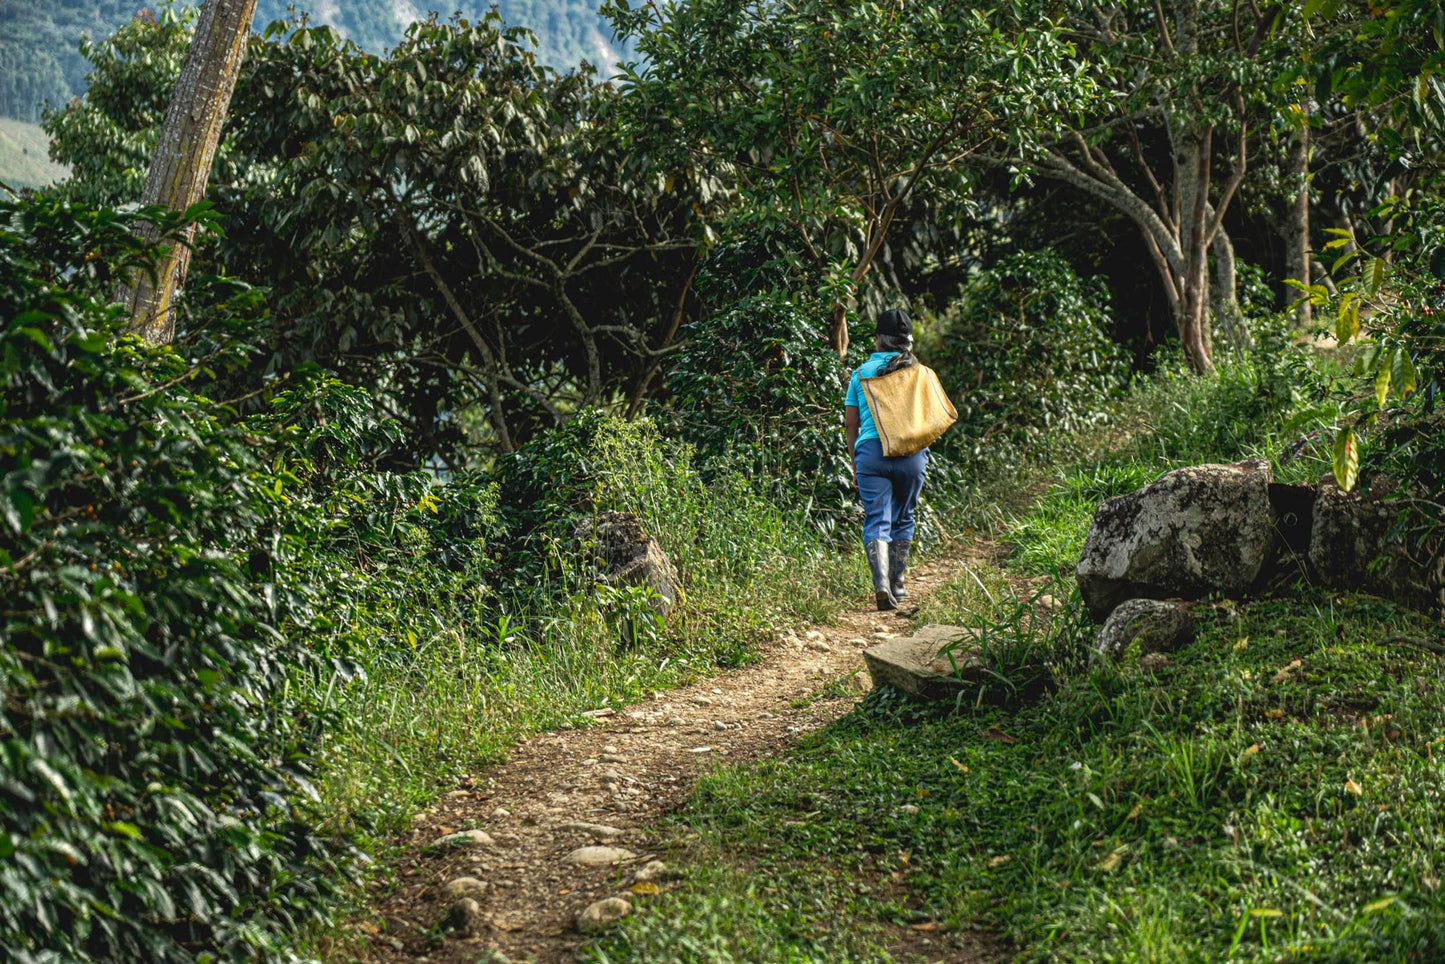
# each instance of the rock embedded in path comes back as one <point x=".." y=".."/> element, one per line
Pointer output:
<point x="595" y="829"/>
<point x="935" y="663"/>
<point x="465" y="887"/>
<point x="651" y="872"/>
<point x="465" y="916"/>
<point x="602" y="914"/>
<point x="1192" y="531"/>
<point x="1155" y="625"/>
<point x="464" y="838"/>
<point x="598" y="856"/>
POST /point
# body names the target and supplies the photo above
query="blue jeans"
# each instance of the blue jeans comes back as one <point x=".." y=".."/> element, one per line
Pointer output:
<point x="889" y="488"/>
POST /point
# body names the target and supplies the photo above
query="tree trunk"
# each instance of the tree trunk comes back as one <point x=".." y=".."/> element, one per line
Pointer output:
<point x="1224" y="296"/>
<point x="187" y="146"/>
<point x="1192" y="161"/>
<point x="1296" y="227"/>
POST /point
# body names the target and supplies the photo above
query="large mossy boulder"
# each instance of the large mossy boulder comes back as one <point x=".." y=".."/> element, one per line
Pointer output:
<point x="1193" y="531"/>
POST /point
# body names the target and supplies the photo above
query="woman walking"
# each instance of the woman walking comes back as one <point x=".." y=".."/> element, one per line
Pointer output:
<point x="889" y="487"/>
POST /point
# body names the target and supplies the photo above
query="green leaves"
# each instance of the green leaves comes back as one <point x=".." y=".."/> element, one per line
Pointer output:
<point x="1345" y="458"/>
<point x="150" y="803"/>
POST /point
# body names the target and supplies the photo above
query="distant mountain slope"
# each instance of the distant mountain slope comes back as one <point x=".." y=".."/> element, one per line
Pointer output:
<point x="24" y="155"/>
<point x="39" y="61"/>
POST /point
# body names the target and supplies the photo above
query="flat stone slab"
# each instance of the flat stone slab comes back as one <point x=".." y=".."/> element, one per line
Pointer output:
<point x="914" y="664"/>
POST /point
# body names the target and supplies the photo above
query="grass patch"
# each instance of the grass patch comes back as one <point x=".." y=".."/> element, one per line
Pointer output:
<point x="1272" y="793"/>
<point x="455" y="676"/>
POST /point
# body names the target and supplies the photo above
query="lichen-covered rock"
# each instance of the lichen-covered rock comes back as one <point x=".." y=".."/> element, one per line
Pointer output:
<point x="1157" y="626"/>
<point x="1193" y="531"/>
<point x="1351" y="548"/>
<point x="627" y="556"/>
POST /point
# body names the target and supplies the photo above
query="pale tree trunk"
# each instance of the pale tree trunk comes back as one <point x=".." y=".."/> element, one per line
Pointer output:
<point x="1224" y="296"/>
<point x="1296" y="227"/>
<point x="187" y="147"/>
<point x="1180" y="223"/>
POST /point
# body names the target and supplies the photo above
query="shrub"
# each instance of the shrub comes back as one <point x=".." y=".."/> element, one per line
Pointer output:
<point x="155" y="796"/>
<point x="1024" y="349"/>
<point x="758" y="387"/>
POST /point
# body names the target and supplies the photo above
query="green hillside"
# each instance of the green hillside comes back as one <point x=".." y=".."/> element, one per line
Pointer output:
<point x="40" y="61"/>
<point x="24" y="160"/>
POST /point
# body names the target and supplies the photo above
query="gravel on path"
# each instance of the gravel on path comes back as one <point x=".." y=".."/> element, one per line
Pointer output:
<point x="570" y="821"/>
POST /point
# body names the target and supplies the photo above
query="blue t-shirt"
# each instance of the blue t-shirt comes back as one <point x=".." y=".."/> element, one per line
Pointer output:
<point x="871" y="367"/>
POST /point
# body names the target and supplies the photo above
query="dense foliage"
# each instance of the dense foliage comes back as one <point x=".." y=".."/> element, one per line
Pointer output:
<point x="1025" y="348"/>
<point x="156" y="784"/>
<point x="531" y="263"/>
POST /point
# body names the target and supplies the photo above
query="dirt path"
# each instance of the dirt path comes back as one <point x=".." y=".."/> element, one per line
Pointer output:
<point x="611" y="785"/>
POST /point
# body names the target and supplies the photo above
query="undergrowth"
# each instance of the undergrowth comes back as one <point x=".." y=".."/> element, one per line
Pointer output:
<point x="1271" y="793"/>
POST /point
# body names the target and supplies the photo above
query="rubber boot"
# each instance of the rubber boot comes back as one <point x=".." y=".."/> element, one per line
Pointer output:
<point x="878" y="565"/>
<point x="897" y="565"/>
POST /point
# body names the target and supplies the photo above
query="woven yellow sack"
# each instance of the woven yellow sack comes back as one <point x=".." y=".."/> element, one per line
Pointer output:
<point x="909" y="409"/>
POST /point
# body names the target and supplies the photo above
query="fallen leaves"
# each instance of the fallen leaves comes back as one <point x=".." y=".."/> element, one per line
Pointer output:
<point x="1284" y="673"/>
<point x="998" y="736"/>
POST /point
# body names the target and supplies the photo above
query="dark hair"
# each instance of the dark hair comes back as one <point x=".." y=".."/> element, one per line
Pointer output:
<point x="903" y="344"/>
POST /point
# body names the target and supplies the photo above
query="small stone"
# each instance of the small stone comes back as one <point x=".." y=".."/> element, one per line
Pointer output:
<point x="464" y="838"/>
<point x="610" y="749"/>
<point x="651" y="871"/>
<point x="719" y="725"/>
<point x="602" y="913"/>
<point x="814" y="634"/>
<point x="598" y="856"/>
<point x="1045" y="601"/>
<point x="700" y="749"/>
<point x="596" y="829"/>
<point x="458" y="794"/>
<point x="397" y="926"/>
<point x="463" y="915"/>
<point x="676" y="721"/>
<point x="501" y="813"/>
<point x="465" y="887"/>
<point x="818" y="646"/>
<point x="610" y="779"/>
<point x="613" y="758"/>
<point x="908" y="808"/>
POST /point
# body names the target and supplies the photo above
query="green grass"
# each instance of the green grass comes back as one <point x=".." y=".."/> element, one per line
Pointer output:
<point x="25" y="155"/>
<point x="1271" y="794"/>
<point x="1227" y="808"/>
<point x="481" y="671"/>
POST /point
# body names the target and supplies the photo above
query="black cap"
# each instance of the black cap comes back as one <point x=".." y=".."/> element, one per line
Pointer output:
<point x="895" y="321"/>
